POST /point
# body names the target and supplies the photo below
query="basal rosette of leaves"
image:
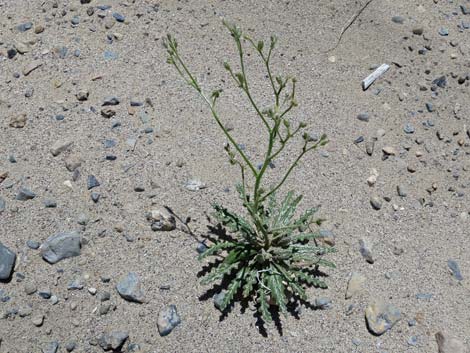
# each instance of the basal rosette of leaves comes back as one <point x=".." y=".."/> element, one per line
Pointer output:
<point x="269" y="255"/>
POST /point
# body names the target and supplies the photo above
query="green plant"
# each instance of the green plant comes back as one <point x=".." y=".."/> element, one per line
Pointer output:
<point x="271" y="255"/>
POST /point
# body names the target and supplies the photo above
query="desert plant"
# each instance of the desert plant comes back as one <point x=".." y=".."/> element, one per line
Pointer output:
<point x="270" y="255"/>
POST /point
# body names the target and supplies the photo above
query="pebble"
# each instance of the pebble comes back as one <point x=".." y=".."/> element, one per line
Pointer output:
<point x="389" y="151"/>
<point x="381" y="317"/>
<point x="38" y="320"/>
<point x="111" y="100"/>
<point x="48" y="203"/>
<point x="72" y="162"/>
<point x="25" y="194"/>
<point x="118" y="17"/>
<point x="376" y="202"/>
<point x="443" y="31"/>
<point x="45" y="293"/>
<point x="130" y="288"/>
<point x="322" y="303"/>
<point x="33" y="244"/>
<point x="7" y="262"/>
<point x="465" y="9"/>
<point x="355" y="285"/>
<point x="161" y="220"/>
<point x="24" y="26"/>
<point x="449" y="344"/>
<point x="455" y="270"/>
<point x="401" y="191"/>
<point x="92" y="182"/>
<point x="22" y="48"/>
<point x="365" y="248"/>
<point x="30" y="288"/>
<point x="418" y="31"/>
<point x="108" y="112"/>
<point x="217" y="299"/>
<point x="409" y="129"/>
<point x="18" y="121"/>
<point x="3" y="204"/>
<point x="82" y="95"/>
<point x="194" y="185"/>
<point x="113" y="340"/>
<point x="326" y="237"/>
<point x="363" y="117"/>
<point x="60" y="146"/>
<point x="61" y="246"/>
<point x="398" y="19"/>
<point x="168" y="319"/>
<point x="70" y="346"/>
<point x="51" y="347"/>
<point x="31" y="67"/>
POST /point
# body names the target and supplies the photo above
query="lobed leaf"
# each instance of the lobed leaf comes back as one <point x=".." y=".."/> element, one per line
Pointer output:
<point x="215" y="248"/>
<point x="274" y="282"/>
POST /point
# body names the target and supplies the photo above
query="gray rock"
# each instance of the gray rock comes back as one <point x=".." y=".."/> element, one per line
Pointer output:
<point x="322" y="303"/>
<point x="112" y="100"/>
<point x="25" y="194"/>
<point x="33" y="244"/>
<point x="168" y="319"/>
<point x="355" y="285"/>
<point x="194" y="185"/>
<point x="218" y="299"/>
<point x="92" y="182"/>
<point x="30" y="288"/>
<point x="113" y="340"/>
<point x="45" y="293"/>
<point x="454" y="268"/>
<point x="363" y="117"/>
<point x="82" y="95"/>
<point x="448" y="344"/>
<point x="70" y="346"/>
<point x="61" y="246"/>
<point x="401" y="191"/>
<point x="3" y="204"/>
<point x="161" y="220"/>
<point x="7" y="262"/>
<point x="465" y="9"/>
<point x="375" y="202"/>
<point x="130" y="288"/>
<point x="365" y="247"/>
<point x="50" y="203"/>
<point x="60" y="146"/>
<point x="76" y="284"/>
<point x="409" y="129"/>
<point x="51" y="347"/>
<point x="381" y="317"/>
<point x="398" y="19"/>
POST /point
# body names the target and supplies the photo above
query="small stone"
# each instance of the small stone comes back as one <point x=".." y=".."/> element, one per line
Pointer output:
<point x="45" y="293"/>
<point x="22" y="48"/>
<point x="7" y="263"/>
<point x="92" y="182"/>
<point x="3" y="204"/>
<point x="449" y="344"/>
<point x="25" y="311"/>
<point x="18" y="121"/>
<point x="39" y="29"/>
<point x="455" y="270"/>
<point x="413" y="341"/>
<point x="33" y="244"/>
<point x="95" y="196"/>
<point x="381" y="317"/>
<point x="194" y="185"/>
<point x="363" y="117"/>
<point x="161" y="220"/>
<point x="73" y="162"/>
<point x="31" y="67"/>
<point x="418" y="31"/>
<point x="130" y="288"/>
<point x="322" y="303"/>
<point x="24" y="26"/>
<point x="365" y="248"/>
<point x="30" y="288"/>
<point x="51" y="347"/>
<point x="390" y="151"/>
<point x="409" y="129"/>
<point x="37" y="320"/>
<point x="76" y="284"/>
<point x="168" y="319"/>
<point x="50" y="203"/>
<point x="108" y="112"/>
<point x="398" y="19"/>
<point x="92" y="290"/>
<point x="104" y="296"/>
<point x="401" y="191"/>
<point x="376" y="202"/>
<point x="70" y="346"/>
<point x="25" y="194"/>
<point x="112" y="100"/>
<point x="118" y="17"/>
<point x="430" y="107"/>
<point x="355" y="285"/>
<point x="326" y="237"/>
<point x="443" y="31"/>
<point x="60" y="146"/>
<point x="370" y="144"/>
<point x="82" y="95"/>
<point x="61" y="246"/>
<point x="113" y="340"/>
<point x="218" y="299"/>
<point x="371" y="180"/>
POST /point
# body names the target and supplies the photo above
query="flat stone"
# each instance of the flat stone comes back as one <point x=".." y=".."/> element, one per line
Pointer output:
<point x="7" y="262"/>
<point x="18" y="121"/>
<point x="73" y="162"/>
<point x="381" y="317"/>
<point x="326" y="237"/>
<point x="130" y="288"/>
<point x="82" y="95"/>
<point x="92" y="182"/>
<point x="22" y="48"/>
<point x="61" y="246"/>
<point x="31" y="67"/>
<point x="30" y="288"/>
<point x="51" y="347"/>
<point x="161" y="220"/>
<point x="365" y="248"/>
<point x="363" y="117"/>
<point x="455" y="270"/>
<point x="355" y="285"/>
<point x="168" y="319"/>
<point x="449" y="344"/>
<point x="194" y="185"/>
<point x="401" y="191"/>
<point x="112" y="100"/>
<point x="37" y="320"/>
<point x="60" y="146"/>
<point x="389" y="150"/>
<point x="3" y="204"/>
<point x="25" y="194"/>
<point x="113" y="340"/>
<point x="398" y="19"/>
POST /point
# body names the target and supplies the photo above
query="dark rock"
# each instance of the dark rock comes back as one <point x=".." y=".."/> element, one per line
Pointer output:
<point x="110" y="101"/>
<point x="50" y="203"/>
<point x="381" y="317"/>
<point x="92" y="182"/>
<point x="454" y="268"/>
<point x="51" y="347"/>
<point x="118" y="17"/>
<point x="33" y="244"/>
<point x="113" y="340"/>
<point x="7" y="262"/>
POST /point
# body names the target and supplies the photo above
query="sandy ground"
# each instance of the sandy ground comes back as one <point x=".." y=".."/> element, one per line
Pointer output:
<point x="186" y="144"/>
